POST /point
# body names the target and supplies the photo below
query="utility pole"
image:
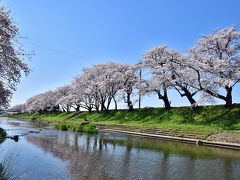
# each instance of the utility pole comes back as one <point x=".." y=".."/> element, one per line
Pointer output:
<point x="139" y="100"/>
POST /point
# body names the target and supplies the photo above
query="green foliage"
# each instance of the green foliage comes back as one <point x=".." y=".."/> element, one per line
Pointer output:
<point x="205" y="118"/>
<point x="79" y="128"/>
<point x="2" y="134"/>
<point x="88" y="128"/>
<point x="63" y="127"/>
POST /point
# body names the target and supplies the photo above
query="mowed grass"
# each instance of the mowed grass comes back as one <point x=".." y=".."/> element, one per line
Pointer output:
<point x="205" y="118"/>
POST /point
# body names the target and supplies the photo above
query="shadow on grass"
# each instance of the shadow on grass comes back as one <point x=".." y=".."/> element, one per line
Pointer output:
<point x="219" y="116"/>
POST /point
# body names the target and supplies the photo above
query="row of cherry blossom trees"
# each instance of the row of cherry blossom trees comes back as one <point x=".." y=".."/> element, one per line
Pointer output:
<point x="209" y="68"/>
<point x="96" y="88"/>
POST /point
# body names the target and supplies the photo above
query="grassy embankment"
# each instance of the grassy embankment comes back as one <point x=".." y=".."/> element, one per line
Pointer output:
<point x="206" y="118"/>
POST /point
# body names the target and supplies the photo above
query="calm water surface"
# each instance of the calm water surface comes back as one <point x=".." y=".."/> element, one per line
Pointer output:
<point x="53" y="154"/>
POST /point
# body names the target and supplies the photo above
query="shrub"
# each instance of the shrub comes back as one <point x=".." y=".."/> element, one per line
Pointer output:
<point x="79" y="128"/>
<point x="2" y="134"/>
<point x="63" y="127"/>
<point x="72" y="128"/>
<point x="89" y="128"/>
<point x="56" y="126"/>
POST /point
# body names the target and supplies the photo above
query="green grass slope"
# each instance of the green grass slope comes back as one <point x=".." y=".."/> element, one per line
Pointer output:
<point x="206" y="118"/>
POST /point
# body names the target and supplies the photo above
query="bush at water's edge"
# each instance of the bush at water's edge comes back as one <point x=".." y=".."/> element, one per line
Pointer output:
<point x="2" y="135"/>
<point x="88" y="128"/>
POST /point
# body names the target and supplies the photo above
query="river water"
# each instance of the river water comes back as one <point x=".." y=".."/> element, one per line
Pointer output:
<point x="53" y="154"/>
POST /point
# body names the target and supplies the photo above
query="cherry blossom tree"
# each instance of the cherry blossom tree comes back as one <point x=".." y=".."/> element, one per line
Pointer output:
<point x="159" y="82"/>
<point x="216" y="59"/>
<point x="176" y="74"/>
<point x="115" y="77"/>
<point x="108" y="82"/>
<point x="42" y="103"/>
<point x="48" y="102"/>
<point x="33" y="104"/>
<point x="20" y="108"/>
<point x="64" y="98"/>
<point x="85" y="93"/>
<point x="129" y="81"/>
<point x="86" y="90"/>
<point x="103" y="83"/>
<point x="5" y="93"/>
<point x="12" y="57"/>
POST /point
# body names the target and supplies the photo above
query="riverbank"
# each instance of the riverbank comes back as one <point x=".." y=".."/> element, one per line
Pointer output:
<point x="214" y="123"/>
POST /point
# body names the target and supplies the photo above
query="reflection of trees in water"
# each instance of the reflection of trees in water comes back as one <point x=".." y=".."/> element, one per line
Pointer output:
<point x="182" y="149"/>
<point x="110" y="157"/>
<point x="85" y="158"/>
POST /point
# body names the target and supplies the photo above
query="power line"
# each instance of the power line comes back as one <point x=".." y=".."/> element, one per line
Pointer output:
<point x="56" y="50"/>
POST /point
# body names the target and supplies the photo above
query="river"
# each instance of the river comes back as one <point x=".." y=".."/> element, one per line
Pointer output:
<point x="44" y="153"/>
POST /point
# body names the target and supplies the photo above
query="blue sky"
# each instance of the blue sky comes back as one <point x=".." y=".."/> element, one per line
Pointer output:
<point x="69" y="35"/>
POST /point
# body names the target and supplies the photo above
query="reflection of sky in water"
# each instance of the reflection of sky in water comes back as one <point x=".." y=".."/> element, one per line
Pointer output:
<point x="68" y="155"/>
<point x="38" y="163"/>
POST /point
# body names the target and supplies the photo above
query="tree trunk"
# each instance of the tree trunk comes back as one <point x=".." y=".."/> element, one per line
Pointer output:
<point x="63" y="109"/>
<point x="77" y="108"/>
<point x="228" y="97"/>
<point x="115" y="102"/>
<point x="103" y="106"/>
<point x="96" y="106"/>
<point x="90" y="109"/>
<point x="108" y="104"/>
<point x="165" y="99"/>
<point x="189" y="96"/>
<point x="56" y="108"/>
<point x="129" y="102"/>
<point x="68" y="109"/>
